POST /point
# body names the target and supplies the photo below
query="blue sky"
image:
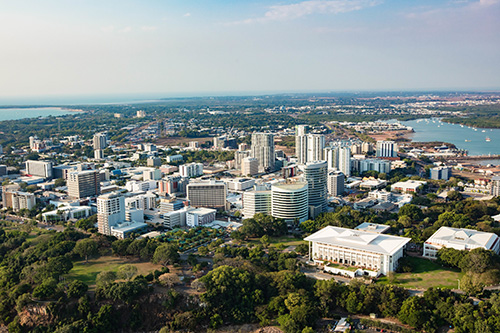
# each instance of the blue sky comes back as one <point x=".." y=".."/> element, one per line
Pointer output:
<point x="71" y="47"/>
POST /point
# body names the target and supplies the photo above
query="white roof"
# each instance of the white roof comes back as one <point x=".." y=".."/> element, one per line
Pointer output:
<point x="359" y="240"/>
<point x="468" y="238"/>
<point x="409" y="184"/>
<point x="373" y="227"/>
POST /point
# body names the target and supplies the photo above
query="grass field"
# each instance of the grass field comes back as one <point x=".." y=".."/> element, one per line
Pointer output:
<point x="276" y="241"/>
<point x="426" y="274"/>
<point x="87" y="272"/>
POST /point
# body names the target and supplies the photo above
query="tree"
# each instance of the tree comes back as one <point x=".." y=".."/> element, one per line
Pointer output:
<point x="166" y="254"/>
<point x="413" y="312"/>
<point x="59" y="182"/>
<point x="105" y="277"/>
<point x="169" y="279"/>
<point x="77" y="289"/>
<point x="127" y="272"/>
<point x="202" y="250"/>
<point x="85" y="248"/>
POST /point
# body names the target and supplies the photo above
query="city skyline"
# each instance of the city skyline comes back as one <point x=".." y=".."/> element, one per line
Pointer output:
<point x="131" y="47"/>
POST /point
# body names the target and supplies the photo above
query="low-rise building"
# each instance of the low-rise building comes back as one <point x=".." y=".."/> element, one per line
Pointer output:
<point x="460" y="239"/>
<point x="409" y="186"/>
<point x="356" y="252"/>
<point x="200" y="216"/>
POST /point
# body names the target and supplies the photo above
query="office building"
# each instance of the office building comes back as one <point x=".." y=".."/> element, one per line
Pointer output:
<point x="316" y="176"/>
<point x="442" y="172"/>
<point x="13" y="198"/>
<point x="151" y="174"/>
<point x="173" y="185"/>
<point x="191" y="170"/>
<point x="176" y="219"/>
<point x="174" y="158"/>
<point x="495" y="186"/>
<point x="153" y="161"/>
<point x="343" y="250"/>
<point x="290" y="202"/>
<point x="110" y="211"/>
<point x="82" y="184"/>
<point x="239" y="184"/>
<point x="199" y="217"/>
<point x="210" y="194"/>
<point x="263" y="151"/>
<point x="460" y="239"/>
<point x="39" y="168"/>
<point x="387" y="149"/>
<point x="256" y="201"/>
<point x="331" y="156"/>
<point x="409" y="186"/>
<point x="141" y="186"/>
<point x="146" y="201"/>
<point x="335" y="183"/>
<point x="171" y="204"/>
<point x="249" y="166"/>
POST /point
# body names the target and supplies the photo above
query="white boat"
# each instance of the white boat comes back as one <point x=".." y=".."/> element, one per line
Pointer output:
<point x="488" y="139"/>
<point x="483" y="131"/>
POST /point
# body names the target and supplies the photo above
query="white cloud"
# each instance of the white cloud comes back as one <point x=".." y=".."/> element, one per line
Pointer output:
<point x="126" y="29"/>
<point x="187" y="15"/>
<point x="149" y="28"/>
<point x="309" y="7"/>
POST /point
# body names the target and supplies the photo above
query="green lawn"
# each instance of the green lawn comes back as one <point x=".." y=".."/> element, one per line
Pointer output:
<point x="275" y="241"/>
<point x="87" y="272"/>
<point x="426" y="274"/>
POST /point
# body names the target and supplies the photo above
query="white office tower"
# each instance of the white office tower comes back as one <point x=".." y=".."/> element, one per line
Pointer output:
<point x="39" y="168"/>
<point x="110" y="211"/>
<point x="290" y="201"/>
<point x="301" y="143"/>
<point x="344" y="164"/>
<point x="255" y="202"/>
<point x="335" y="183"/>
<point x="495" y="186"/>
<point x="249" y="166"/>
<point x="387" y="149"/>
<point x="315" y="146"/>
<point x="210" y="194"/>
<point x="263" y="151"/>
<point x="191" y="170"/>
<point x="316" y="175"/>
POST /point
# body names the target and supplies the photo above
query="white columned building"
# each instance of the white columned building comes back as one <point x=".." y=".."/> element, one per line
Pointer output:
<point x="355" y="252"/>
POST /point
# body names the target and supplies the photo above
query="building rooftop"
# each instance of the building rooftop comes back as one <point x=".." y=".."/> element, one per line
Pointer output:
<point x="373" y="227"/>
<point x="359" y="240"/>
<point x="462" y="237"/>
<point x="128" y="226"/>
<point x="290" y="186"/>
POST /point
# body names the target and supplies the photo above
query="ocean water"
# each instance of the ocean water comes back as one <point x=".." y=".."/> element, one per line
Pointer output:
<point x="21" y="113"/>
<point x="464" y="137"/>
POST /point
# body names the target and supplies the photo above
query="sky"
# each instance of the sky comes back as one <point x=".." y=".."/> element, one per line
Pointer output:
<point x="95" y="47"/>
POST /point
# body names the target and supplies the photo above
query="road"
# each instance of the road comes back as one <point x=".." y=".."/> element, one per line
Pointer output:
<point x="21" y="220"/>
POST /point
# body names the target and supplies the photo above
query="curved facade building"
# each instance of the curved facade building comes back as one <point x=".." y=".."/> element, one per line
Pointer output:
<point x="290" y="201"/>
<point x="316" y="175"/>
